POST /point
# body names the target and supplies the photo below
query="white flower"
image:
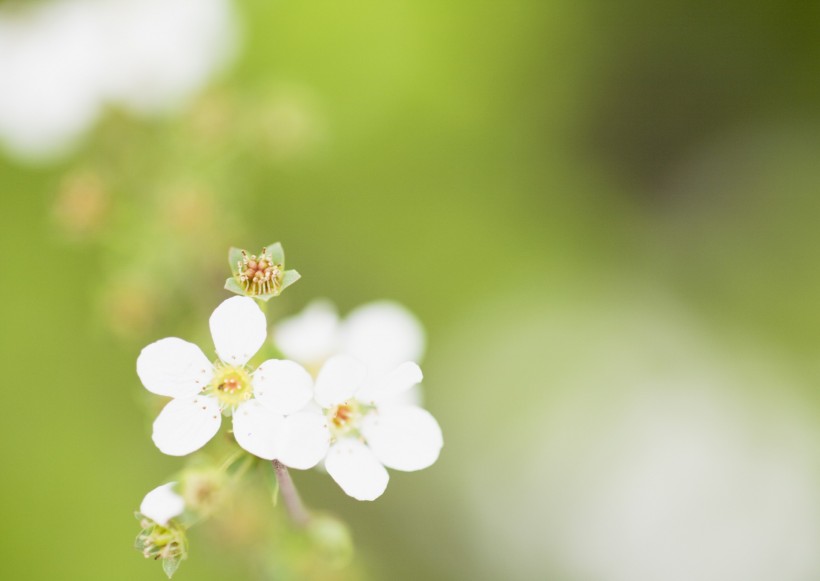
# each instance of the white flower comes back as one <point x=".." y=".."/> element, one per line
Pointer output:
<point x="368" y="430"/>
<point x="382" y="335"/>
<point x="63" y="61"/>
<point x="367" y="389"/>
<point x="189" y="41"/>
<point x="49" y="71"/>
<point x="258" y="400"/>
<point x="311" y="336"/>
<point x="162" y="504"/>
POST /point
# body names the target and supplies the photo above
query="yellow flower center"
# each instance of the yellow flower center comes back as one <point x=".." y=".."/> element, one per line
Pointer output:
<point x="231" y="385"/>
<point x="341" y="415"/>
<point x="344" y="418"/>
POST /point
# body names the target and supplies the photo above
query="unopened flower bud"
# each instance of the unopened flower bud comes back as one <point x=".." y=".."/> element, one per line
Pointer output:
<point x="203" y="489"/>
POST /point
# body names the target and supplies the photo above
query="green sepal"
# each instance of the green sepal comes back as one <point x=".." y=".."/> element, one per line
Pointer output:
<point x="265" y="297"/>
<point x="232" y="285"/>
<point x="277" y="253"/>
<point x="288" y="278"/>
<point x="170" y="565"/>
<point x="234" y="258"/>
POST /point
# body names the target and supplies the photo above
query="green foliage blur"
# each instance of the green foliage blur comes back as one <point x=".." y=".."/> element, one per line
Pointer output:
<point x="543" y="182"/>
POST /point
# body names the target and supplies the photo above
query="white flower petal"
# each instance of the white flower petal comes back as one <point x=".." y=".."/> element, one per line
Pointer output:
<point x="186" y="424"/>
<point x="404" y="438"/>
<point x="238" y="328"/>
<point x="311" y="336"/>
<point x="382" y="335"/>
<point x="355" y="468"/>
<point x="313" y="407"/>
<point x="413" y="396"/>
<point x="306" y="440"/>
<point x="283" y="386"/>
<point x="162" y="504"/>
<point x="340" y="377"/>
<point x="390" y="385"/>
<point x="257" y="429"/>
<point x="174" y="368"/>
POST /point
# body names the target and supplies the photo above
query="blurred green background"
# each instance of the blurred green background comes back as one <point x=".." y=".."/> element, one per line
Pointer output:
<point x="606" y="216"/>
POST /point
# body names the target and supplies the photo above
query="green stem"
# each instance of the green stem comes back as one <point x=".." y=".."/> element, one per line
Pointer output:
<point x="230" y="460"/>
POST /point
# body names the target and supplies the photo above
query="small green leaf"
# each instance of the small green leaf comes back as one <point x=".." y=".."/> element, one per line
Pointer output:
<point x="290" y="277"/>
<point x="234" y="287"/>
<point x="234" y="258"/>
<point x="276" y="252"/>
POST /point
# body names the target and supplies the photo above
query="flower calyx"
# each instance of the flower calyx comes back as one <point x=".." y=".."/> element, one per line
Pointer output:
<point x="260" y="276"/>
<point x="168" y="542"/>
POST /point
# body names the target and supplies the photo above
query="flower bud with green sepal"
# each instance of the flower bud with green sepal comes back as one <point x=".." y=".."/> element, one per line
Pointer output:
<point x="261" y="276"/>
<point x="163" y="535"/>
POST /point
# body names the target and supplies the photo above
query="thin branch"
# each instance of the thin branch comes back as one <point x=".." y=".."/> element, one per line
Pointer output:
<point x="298" y="514"/>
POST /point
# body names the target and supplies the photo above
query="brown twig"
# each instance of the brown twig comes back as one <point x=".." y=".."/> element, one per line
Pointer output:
<point x="298" y="514"/>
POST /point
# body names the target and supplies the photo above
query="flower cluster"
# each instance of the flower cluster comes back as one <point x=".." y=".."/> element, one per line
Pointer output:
<point x="344" y="396"/>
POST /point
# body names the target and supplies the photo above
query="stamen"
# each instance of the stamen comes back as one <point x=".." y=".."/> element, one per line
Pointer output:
<point x="342" y="415"/>
<point x="259" y="274"/>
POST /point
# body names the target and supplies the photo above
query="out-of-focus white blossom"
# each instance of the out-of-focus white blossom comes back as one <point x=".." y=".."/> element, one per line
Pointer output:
<point x="673" y="457"/>
<point x="382" y="335"/>
<point x="162" y="504"/>
<point x="683" y="484"/>
<point x="63" y="61"/>
<point x="311" y="336"/>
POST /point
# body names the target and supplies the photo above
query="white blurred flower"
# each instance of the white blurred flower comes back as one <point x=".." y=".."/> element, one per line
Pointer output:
<point x="311" y="336"/>
<point x="674" y="457"/>
<point x="368" y="430"/>
<point x="687" y="486"/>
<point x="63" y="61"/>
<point x="161" y="52"/>
<point x="162" y="504"/>
<point x="258" y="400"/>
<point x="382" y="335"/>
<point x="50" y="75"/>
